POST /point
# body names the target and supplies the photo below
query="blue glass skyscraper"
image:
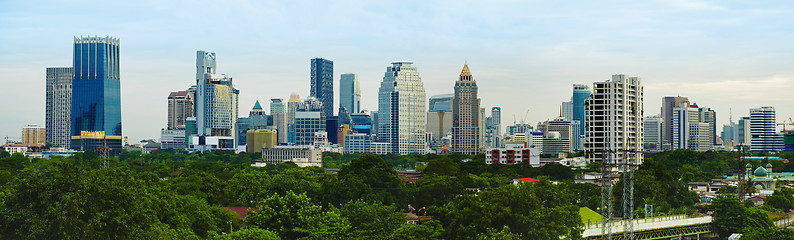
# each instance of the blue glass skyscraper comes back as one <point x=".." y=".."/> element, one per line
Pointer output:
<point x="96" y="96"/>
<point x="580" y="93"/>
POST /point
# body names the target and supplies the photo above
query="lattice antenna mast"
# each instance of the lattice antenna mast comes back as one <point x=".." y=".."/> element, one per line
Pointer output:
<point x="606" y="195"/>
<point x="628" y="165"/>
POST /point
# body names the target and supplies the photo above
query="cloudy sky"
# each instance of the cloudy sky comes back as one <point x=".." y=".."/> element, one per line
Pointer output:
<point x="525" y="55"/>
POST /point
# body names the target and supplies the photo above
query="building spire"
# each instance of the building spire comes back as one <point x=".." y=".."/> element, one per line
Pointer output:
<point x="465" y="71"/>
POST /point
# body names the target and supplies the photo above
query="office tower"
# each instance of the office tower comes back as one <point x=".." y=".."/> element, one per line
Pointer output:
<point x="614" y="120"/>
<point x="323" y="84"/>
<point x="96" y="96"/>
<point x="401" y="109"/>
<point x="483" y="127"/>
<point x="190" y="130"/>
<point x="728" y="134"/>
<point x="560" y="136"/>
<point x="34" y="135"/>
<point x="684" y="125"/>
<point x="668" y="103"/>
<point x="653" y="134"/>
<point x="309" y="119"/>
<point x="292" y="107"/>
<point x="180" y="106"/>
<point x="279" y="111"/>
<point x="361" y="123"/>
<point x="743" y="133"/>
<point x="241" y="127"/>
<point x="257" y="117"/>
<point x="709" y="116"/>
<point x="375" y="123"/>
<point x="439" y="117"/>
<point x="59" y="106"/>
<point x="216" y="106"/>
<point x="566" y="110"/>
<point x="764" y="138"/>
<point x="350" y="93"/>
<point x="259" y="139"/>
<point x="493" y="128"/>
<point x="465" y="112"/>
<point x="580" y="93"/>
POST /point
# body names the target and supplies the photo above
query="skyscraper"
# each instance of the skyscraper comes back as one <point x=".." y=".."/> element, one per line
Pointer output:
<point x="580" y="93"/>
<point x="59" y="106"/>
<point x="614" y="120"/>
<point x="96" y="96"/>
<point x="465" y="114"/>
<point x="764" y="138"/>
<point x="322" y="88"/>
<point x="401" y="109"/>
<point x="309" y="119"/>
<point x="350" y="93"/>
<point x="668" y="103"/>
<point x="493" y="127"/>
<point x="279" y="111"/>
<point x="180" y="106"/>
<point x="709" y="116"/>
<point x="743" y="133"/>
<point x="216" y="106"/>
<point x="653" y="134"/>
<point x="566" y="110"/>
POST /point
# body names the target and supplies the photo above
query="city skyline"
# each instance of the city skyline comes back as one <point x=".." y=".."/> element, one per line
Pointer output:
<point x="527" y="54"/>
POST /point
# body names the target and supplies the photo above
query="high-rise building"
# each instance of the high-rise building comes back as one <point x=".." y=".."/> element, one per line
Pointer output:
<point x="180" y="106"/>
<point x="216" y="106"/>
<point x="653" y="134"/>
<point x="350" y="93"/>
<point x="495" y="127"/>
<point x="743" y="133"/>
<point x="685" y="121"/>
<point x="580" y="93"/>
<point x="279" y="111"/>
<point x="401" y="109"/>
<point x="560" y="129"/>
<point x="668" y="103"/>
<point x="361" y="123"/>
<point x="465" y="112"/>
<point x="566" y="110"/>
<point x="764" y="138"/>
<point x="709" y="116"/>
<point x="614" y="120"/>
<point x="34" y="135"/>
<point x="439" y="117"/>
<point x="483" y="127"/>
<point x="96" y="96"/>
<point x="258" y="118"/>
<point x="59" y="106"/>
<point x="322" y="88"/>
<point x="259" y="139"/>
<point x="309" y="119"/>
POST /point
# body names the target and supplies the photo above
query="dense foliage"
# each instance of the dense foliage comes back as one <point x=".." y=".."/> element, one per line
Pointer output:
<point x="179" y="195"/>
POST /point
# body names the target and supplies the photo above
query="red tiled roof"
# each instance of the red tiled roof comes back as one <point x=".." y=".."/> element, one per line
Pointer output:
<point x="527" y="179"/>
<point x="241" y="212"/>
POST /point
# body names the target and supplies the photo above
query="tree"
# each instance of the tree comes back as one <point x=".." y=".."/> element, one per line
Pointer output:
<point x="378" y="174"/>
<point x="425" y="230"/>
<point x="249" y="234"/>
<point x="504" y="234"/>
<point x="727" y="214"/>
<point x="370" y="221"/>
<point x="757" y="223"/>
<point x="779" y="201"/>
<point x="294" y="216"/>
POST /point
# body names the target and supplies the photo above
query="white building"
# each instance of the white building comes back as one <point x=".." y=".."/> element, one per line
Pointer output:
<point x="401" y="109"/>
<point x="216" y="106"/>
<point x="303" y="156"/>
<point x="764" y="138"/>
<point x="614" y="120"/>
<point x="362" y="143"/>
<point x="172" y="138"/>
<point x="280" y="120"/>
<point x="513" y="154"/>
<point x="59" y="106"/>
<point x="653" y="134"/>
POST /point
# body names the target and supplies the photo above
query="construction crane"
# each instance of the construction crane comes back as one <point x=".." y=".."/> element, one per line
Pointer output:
<point x="784" y="123"/>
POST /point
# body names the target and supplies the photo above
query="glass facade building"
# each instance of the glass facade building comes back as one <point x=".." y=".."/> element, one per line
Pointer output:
<point x="96" y="96"/>
<point x="322" y="74"/>
<point x="349" y="93"/>
<point x="401" y="109"/>
<point x="59" y="106"/>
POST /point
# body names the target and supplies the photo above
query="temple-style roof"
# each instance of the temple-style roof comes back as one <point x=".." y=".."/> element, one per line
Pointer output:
<point x="748" y="166"/>
<point x="769" y="165"/>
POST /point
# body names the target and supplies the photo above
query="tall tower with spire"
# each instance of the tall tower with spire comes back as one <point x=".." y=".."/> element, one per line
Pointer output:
<point x="465" y="114"/>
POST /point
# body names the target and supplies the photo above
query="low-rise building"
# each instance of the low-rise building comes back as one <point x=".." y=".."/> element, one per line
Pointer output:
<point x="303" y="156"/>
<point x="172" y="138"/>
<point x="513" y="154"/>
